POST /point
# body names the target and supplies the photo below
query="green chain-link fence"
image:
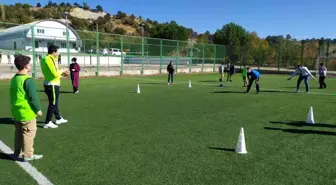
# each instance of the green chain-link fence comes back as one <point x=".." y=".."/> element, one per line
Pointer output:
<point x="107" y="54"/>
<point x="111" y="54"/>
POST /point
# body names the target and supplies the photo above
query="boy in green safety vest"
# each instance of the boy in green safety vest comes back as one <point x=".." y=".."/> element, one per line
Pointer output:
<point x="244" y="74"/>
<point x="25" y="107"/>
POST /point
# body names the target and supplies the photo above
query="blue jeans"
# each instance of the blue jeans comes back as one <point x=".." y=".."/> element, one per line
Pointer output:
<point x="305" y="78"/>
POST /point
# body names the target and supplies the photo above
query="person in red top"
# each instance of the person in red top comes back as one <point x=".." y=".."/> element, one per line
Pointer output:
<point x="74" y="70"/>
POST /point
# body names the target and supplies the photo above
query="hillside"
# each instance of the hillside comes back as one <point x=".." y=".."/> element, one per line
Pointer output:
<point x="82" y="17"/>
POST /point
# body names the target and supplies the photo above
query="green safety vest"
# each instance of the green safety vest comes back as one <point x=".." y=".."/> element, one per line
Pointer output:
<point x="20" y="106"/>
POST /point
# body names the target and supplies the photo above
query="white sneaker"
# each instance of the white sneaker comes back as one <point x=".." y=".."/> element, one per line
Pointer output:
<point x="34" y="157"/>
<point x="50" y="125"/>
<point x="61" y="121"/>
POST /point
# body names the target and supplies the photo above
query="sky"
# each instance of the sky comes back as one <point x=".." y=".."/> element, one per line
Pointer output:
<point x="299" y="18"/>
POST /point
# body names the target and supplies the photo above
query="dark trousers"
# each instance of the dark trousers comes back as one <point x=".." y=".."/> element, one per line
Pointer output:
<point x="170" y="77"/>
<point x="229" y="76"/>
<point x="305" y="78"/>
<point x="251" y="80"/>
<point x="322" y="82"/>
<point x="52" y="92"/>
<point x="75" y="89"/>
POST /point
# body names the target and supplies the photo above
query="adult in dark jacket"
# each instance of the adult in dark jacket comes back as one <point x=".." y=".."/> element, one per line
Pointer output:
<point x="74" y="69"/>
<point x="170" y="70"/>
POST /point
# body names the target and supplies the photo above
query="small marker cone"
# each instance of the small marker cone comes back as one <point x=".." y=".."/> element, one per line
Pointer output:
<point x="189" y="84"/>
<point x="310" y="117"/>
<point x="241" y="147"/>
<point x="138" y="89"/>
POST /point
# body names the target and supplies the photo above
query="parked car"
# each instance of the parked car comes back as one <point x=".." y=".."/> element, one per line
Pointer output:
<point x="115" y="51"/>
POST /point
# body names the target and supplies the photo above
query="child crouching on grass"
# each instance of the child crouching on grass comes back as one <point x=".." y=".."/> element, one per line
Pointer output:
<point x="25" y="107"/>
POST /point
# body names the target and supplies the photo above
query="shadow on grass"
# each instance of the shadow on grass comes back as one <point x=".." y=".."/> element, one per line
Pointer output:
<point x="227" y="92"/>
<point x="301" y="87"/>
<point x="209" y="81"/>
<point x="222" y="149"/>
<point x="6" y="121"/>
<point x="61" y="92"/>
<point x="154" y="83"/>
<point x="296" y="131"/>
<point x="4" y="156"/>
<point x="277" y="91"/>
<point x="303" y="124"/>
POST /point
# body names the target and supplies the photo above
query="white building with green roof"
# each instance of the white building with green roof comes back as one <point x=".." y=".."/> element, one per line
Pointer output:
<point x="46" y="32"/>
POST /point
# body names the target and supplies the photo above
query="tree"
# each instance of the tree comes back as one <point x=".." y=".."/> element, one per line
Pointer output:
<point x="235" y="38"/>
<point x="26" y="6"/>
<point x="86" y="6"/>
<point x="99" y="8"/>
<point x="109" y="27"/>
<point x="118" y="30"/>
<point x="120" y="15"/>
<point x="38" y="5"/>
<point x="169" y="31"/>
<point x="203" y="38"/>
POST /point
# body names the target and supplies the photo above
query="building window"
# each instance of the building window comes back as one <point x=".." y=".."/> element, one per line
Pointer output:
<point x="36" y="44"/>
<point x="40" y="31"/>
<point x="50" y="43"/>
<point x="63" y="45"/>
<point x="64" y="33"/>
<point x="74" y="45"/>
<point x="14" y="45"/>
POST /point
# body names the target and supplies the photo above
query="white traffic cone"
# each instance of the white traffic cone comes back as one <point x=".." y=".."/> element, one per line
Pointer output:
<point x="241" y="147"/>
<point x="189" y="84"/>
<point x="310" y="117"/>
<point x="138" y="89"/>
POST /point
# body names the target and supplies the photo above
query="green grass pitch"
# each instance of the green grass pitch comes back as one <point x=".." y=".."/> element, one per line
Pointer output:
<point x="179" y="135"/>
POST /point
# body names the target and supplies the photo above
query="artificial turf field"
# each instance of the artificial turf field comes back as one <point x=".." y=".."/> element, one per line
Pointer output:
<point x="180" y="135"/>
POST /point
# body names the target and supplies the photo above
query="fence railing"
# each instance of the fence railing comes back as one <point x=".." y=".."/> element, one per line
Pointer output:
<point x="98" y="52"/>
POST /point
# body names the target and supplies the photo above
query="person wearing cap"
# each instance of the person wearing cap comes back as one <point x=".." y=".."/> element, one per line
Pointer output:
<point x="52" y="82"/>
<point x="74" y="71"/>
<point x="25" y="107"/>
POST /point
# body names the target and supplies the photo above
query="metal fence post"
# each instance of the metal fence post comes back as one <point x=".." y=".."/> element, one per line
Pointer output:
<point x="191" y="57"/>
<point x="122" y="55"/>
<point x="327" y="54"/>
<point x="161" y="56"/>
<point x="259" y="55"/>
<point x="142" y="54"/>
<point x="203" y="55"/>
<point x="97" y="48"/>
<point x="279" y="56"/>
<point x="33" y="50"/>
<point x="302" y="50"/>
<point x="177" y="55"/>
<point x="214" y="65"/>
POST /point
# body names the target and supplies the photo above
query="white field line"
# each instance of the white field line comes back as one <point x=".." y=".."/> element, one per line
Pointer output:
<point x="31" y="170"/>
<point x="217" y="84"/>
